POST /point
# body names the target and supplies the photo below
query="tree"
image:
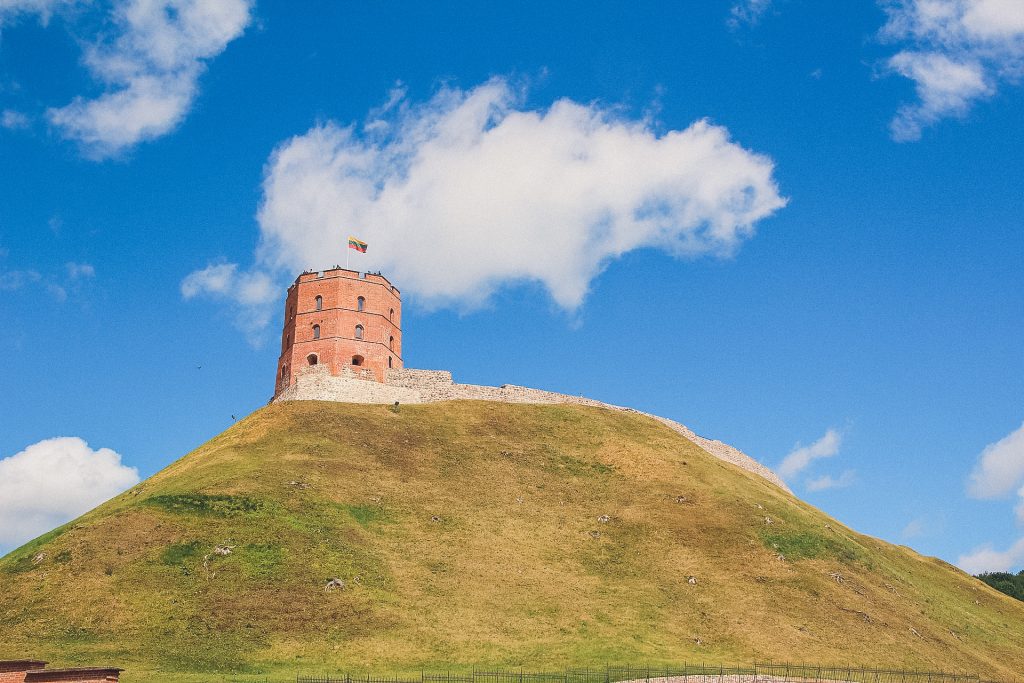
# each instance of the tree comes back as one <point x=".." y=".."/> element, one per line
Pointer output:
<point x="1004" y="582"/>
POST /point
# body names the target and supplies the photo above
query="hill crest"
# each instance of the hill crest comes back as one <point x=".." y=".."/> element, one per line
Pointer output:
<point x="413" y="386"/>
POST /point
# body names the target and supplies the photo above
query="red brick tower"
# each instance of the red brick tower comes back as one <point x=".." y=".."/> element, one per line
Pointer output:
<point x="340" y="319"/>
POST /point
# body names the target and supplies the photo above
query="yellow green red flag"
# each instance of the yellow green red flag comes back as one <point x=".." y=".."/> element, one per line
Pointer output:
<point x="358" y="245"/>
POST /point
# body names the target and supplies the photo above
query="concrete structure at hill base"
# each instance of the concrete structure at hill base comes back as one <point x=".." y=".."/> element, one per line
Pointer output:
<point x="35" y="671"/>
<point x="342" y="341"/>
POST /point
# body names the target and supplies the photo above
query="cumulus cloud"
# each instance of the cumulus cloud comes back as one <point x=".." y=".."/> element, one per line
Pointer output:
<point x="16" y="279"/>
<point x="471" y="191"/>
<point x="827" y="481"/>
<point x="913" y="529"/>
<point x="998" y="473"/>
<point x="252" y="292"/>
<point x="54" y="481"/>
<point x="747" y="12"/>
<point x="13" y="120"/>
<point x="79" y="270"/>
<point x="956" y="51"/>
<point x="150" y="66"/>
<point x="987" y="559"/>
<point x="1000" y="467"/>
<point x="11" y="9"/>
<point x="802" y="456"/>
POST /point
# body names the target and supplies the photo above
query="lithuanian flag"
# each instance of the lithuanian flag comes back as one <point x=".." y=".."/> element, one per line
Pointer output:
<point x="358" y="245"/>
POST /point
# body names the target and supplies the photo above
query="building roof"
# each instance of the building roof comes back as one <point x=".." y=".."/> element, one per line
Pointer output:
<point x="21" y="664"/>
<point x="71" y="673"/>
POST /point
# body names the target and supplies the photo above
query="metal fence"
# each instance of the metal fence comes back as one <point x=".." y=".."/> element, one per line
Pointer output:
<point x="687" y="673"/>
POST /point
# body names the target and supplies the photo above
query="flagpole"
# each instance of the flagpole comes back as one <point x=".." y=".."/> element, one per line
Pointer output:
<point x="347" y="250"/>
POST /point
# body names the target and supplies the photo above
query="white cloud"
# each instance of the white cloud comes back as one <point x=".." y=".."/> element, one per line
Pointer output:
<point x="802" y="456"/>
<point x="956" y="51"/>
<point x="10" y="9"/>
<point x="987" y="559"/>
<point x="16" y="279"/>
<point x="914" y="528"/>
<point x="472" y="191"/>
<point x="1000" y="467"/>
<point x="151" y="68"/>
<point x="54" y="481"/>
<point x="13" y="120"/>
<point x="253" y="293"/>
<point x="998" y="472"/>
<point x="944" y="87"/>
<point x="79" y="270"/>
<point x="827" y="481"/>
<point x="57" y="292"/>
<point x="747" y="12"/>
<point x="1019" y="510"/>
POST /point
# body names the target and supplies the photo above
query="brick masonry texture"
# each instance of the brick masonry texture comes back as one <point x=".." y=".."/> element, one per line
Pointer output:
<point x="84" y="675"/>
<point x="30" y="671"/>
<point x="343" y="320"/>
<point x="13" y="671"/>
<point x="408" y="385"/>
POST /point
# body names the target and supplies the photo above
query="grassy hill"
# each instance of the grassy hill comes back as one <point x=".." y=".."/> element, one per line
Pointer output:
<point x="473" y="533"/>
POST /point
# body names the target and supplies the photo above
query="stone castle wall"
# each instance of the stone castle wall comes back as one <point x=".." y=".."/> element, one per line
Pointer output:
<point x="408" y="385"/>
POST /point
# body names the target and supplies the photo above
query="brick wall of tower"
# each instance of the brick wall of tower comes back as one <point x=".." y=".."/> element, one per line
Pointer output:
<point x="339" y="347"/>
<point x="15" y="671"/>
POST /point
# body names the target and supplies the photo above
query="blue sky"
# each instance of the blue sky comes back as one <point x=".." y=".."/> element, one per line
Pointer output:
<point x="786" y="224"/>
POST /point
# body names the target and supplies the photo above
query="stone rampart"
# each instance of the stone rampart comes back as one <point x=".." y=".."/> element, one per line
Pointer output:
<point x="316" y="383"/>
<point x="408" y="385"/>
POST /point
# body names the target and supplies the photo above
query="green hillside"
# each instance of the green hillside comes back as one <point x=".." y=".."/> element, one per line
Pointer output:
<point x="474" y="533"/>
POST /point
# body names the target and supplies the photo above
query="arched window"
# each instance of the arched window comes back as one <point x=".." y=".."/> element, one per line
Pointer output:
<point x="319" y="303"/>
<point x="391" y="343"/>
<point x="312" y="359"/>
<point x="389" y="361"/>
<point x="391" y="315"/>
<point x="359" y="331"/>
<point x="357" y="360"/>
<point x="316" y="331"/>
<point x="360" y="304"/>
